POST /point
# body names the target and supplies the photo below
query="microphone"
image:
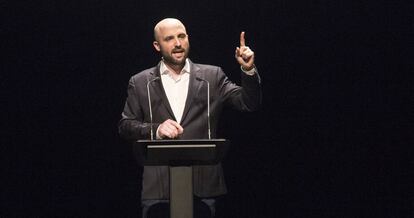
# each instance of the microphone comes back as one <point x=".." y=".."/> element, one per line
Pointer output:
<point x="149" y="104"/>
<point x="208" y="106"/>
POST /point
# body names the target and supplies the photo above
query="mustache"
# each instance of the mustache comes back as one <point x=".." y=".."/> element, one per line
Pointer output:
<point x="176" y="50"/>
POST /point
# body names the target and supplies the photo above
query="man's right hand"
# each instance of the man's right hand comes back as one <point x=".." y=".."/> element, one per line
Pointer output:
<point x="170" y="129"/>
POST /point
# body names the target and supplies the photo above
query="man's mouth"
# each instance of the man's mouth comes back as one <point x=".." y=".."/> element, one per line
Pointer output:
<point x="178" y="53"/>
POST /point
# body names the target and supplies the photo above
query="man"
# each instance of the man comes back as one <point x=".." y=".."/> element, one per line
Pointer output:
<point x="178" y="93"/>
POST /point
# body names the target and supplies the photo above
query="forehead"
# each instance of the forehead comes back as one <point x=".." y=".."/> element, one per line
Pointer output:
<point x="170" y="28"/>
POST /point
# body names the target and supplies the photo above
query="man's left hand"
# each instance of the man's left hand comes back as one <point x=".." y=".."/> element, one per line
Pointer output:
<point x="244" y="55"/>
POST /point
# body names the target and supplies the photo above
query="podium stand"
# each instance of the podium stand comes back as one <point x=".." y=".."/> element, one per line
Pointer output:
<point x="180" y="156"/>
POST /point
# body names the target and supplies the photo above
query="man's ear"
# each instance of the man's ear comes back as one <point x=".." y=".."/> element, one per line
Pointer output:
<point x="156" y="46"/>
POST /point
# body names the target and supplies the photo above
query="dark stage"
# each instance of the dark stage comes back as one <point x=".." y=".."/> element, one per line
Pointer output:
<point x="333" y="137"/>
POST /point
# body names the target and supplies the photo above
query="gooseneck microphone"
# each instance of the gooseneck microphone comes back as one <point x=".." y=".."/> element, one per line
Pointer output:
<point x="149" y="104"/>
<point x="208" y="106"/>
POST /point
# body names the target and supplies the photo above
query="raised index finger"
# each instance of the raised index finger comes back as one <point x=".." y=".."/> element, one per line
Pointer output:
<point x="242" y="41"/>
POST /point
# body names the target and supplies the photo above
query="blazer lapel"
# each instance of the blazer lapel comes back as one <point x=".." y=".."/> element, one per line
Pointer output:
<point x="159" y="91"/>
<point x="193" y="88"/>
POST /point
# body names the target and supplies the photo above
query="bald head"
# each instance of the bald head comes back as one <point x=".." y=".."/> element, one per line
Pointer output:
<point x="166" y="24"/>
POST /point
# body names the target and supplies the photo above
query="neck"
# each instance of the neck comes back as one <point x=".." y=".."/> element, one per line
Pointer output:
<point x="175" y="69"/>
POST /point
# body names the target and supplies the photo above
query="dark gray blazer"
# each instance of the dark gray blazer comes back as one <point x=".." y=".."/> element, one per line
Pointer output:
<point x="135" y="121"/>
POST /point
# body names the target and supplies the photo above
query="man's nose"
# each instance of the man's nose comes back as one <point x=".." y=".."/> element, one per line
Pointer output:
<point x="177" y="42"/>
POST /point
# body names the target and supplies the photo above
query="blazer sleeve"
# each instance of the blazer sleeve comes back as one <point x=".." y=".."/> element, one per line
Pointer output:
<point x="247" y="97"/>
<point x="132" y="126"/>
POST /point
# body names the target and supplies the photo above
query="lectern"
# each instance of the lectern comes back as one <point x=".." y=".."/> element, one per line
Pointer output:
<point x="180" y="156"/>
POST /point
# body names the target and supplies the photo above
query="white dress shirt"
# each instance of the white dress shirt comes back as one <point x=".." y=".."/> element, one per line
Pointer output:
<point x="176" y="89"/>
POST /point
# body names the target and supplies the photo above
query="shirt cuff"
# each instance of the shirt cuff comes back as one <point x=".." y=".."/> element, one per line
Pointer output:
<point x="157" y="136"/>
<point x="249" y="72"/>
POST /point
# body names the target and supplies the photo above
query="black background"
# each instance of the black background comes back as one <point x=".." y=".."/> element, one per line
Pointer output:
<point x="332" y="139"/>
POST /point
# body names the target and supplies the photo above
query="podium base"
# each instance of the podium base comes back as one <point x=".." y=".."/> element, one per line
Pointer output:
<point x="181" y="191"/>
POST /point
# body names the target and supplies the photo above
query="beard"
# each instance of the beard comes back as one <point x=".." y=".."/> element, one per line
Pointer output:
<point x="171" y="60"/>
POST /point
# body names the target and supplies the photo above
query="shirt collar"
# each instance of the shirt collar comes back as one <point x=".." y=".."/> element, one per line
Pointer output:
<point x="164" y="69"/>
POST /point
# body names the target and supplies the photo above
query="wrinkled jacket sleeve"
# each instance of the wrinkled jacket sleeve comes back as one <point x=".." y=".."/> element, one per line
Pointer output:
<point x="247" y="97"/>
<point x="132" y="126"/>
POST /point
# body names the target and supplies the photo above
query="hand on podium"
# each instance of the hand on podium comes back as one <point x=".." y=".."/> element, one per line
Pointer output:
<point x="169" y="129"/>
